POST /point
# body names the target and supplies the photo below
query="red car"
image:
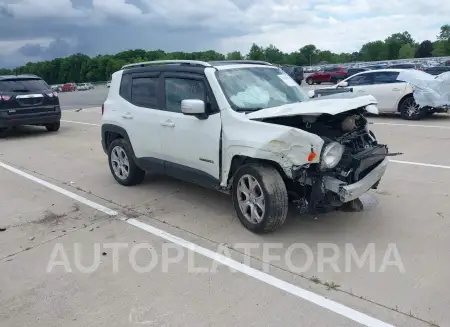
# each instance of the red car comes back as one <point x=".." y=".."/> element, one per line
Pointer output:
<point x="331" y="75"/>
<point x="68" y="87"/>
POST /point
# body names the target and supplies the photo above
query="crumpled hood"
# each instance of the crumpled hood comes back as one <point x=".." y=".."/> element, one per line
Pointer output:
<point x="429" y="90"/>
<point x="317" y="107"/>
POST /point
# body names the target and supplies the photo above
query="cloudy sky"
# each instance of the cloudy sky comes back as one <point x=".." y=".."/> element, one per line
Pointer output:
<point x="32" y="30"/>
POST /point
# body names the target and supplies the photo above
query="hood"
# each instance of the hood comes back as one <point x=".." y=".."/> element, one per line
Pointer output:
<point x="319" y="106"/>
<point x="429" y="90"/>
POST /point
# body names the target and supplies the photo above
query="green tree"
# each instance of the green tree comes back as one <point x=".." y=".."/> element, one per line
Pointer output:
<point x="235" y="55"/>
<point x="406" y="51"/>
<point x="424" y="50"/>
<point x="256" y="53"/>
<point x="441" y="49"/>
<point x="373" y="51"/>
<point x="444" y="34"/>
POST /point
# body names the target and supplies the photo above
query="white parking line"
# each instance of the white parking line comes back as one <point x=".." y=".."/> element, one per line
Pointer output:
<point x="419" y="164"/>
<point x="79" y="122"/>
<point x="319" y="300"/>
<point x="413" y="125"/>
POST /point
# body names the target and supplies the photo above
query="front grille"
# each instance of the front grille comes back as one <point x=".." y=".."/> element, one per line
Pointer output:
<point x="30" y="101"/>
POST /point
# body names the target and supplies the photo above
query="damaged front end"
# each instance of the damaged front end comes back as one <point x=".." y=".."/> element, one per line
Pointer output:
<point x="352" y="161"/>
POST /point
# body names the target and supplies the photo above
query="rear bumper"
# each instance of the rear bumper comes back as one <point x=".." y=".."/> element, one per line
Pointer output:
<point x="29" y="119"/>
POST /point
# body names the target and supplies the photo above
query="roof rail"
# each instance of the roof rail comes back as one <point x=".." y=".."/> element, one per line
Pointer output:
<point x="243" y="61"/>
<point x="168" y="62"/>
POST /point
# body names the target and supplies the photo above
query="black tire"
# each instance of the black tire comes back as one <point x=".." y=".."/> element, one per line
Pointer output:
<point x="275" y="197"/>
<point x="135" y="174"/>
<point x="309" y="81"/>
<point x="406" y="113"/>
<point x="53" y="127"/>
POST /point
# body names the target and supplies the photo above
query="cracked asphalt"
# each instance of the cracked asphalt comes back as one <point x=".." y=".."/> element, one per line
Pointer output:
<point x="97" y="287"/>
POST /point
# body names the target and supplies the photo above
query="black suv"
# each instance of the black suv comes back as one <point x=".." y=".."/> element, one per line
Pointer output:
<point x="28" y="100"/>
<point x="296" y="72"/>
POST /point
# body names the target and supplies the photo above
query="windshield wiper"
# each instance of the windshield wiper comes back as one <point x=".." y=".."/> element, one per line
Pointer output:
<point x="21" y="90"/>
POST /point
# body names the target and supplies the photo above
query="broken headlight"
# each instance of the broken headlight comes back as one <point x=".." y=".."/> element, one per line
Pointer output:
<point x="331" y="155"/>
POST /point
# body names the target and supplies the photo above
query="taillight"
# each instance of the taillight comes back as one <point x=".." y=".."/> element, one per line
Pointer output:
<point x="5" y="97"/>
<point x="103" y="108"/>
<point x="419" y="69"/>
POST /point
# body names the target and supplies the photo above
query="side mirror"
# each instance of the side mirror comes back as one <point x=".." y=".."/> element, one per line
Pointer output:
<point x="193" y="107"/>
<point x="342" y="84"/>
<point x="311" y="93"/>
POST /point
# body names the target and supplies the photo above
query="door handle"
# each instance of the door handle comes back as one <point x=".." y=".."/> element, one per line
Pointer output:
<point x="168" y="123"/>
<point x="127" y="116"/>
<point x="395" y="89"/>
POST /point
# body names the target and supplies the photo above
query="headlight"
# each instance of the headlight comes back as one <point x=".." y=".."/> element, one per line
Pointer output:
<point x="331" y="155"/>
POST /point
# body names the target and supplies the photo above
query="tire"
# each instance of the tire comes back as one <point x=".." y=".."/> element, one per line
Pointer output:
<point x="53" y="127"/>
<point x="270" y="185"/>
<point x="309" y="81"/>
<point x="120" y="159"/>
<point x="338" y="80"/>
<point x="407" y="113"/>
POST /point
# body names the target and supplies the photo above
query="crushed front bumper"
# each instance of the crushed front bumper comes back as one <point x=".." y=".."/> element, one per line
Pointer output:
<point x="349" y="192"/>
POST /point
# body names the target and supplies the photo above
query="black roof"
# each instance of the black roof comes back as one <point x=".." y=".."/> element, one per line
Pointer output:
<point x="18" y="76"/>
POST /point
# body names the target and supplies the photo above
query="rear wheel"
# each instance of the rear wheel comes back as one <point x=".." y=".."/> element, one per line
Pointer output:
<point x="410" y="110"/>
<point x="260" y="198"/>
<point x="53" y="127"/>
<point x="122" y="165"/>
<point x="309" y="81"/>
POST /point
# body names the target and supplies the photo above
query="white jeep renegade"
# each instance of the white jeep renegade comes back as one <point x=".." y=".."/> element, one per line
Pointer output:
<point x="245" y="128"/>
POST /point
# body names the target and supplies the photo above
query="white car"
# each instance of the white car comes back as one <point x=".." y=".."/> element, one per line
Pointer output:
<point x="245" y="128"/>
<point x="83" y="87"/>
<point x="393" y="96"/>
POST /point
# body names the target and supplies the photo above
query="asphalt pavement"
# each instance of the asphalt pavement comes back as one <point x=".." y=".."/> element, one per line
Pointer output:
<point x="78" y="249"/>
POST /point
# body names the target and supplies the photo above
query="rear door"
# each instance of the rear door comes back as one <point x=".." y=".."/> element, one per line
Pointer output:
<point x="140" y="114"/>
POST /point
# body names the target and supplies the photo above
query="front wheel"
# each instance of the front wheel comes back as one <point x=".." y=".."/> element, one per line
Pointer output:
<point x="309" y="81"/>
<point x="410" y="110"/>
<point x="122" y="165"/>
<point x="260" y="198"/>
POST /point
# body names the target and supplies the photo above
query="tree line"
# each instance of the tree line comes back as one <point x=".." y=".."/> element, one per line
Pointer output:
<point x="82" y="68"/>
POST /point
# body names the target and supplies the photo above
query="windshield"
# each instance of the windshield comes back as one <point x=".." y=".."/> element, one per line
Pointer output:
<point x="23" y="85"/>
<point x="255" y="88"/>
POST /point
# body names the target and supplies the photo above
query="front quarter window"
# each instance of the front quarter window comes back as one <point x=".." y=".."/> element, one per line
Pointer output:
<point x="255" y="88"/>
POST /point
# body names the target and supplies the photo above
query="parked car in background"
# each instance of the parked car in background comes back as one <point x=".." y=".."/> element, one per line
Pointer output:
<point x="393" y="96"/>
<point x="28" y="100"/>
<point x="405" y="66"/>
<point x="56" y="87"/>
<point x="296" y="72"/>
<point x="108" y="84"/>
<point x="330" y="74"/>
<point x="90" y="85"/>
<point x="68" y="87"/>
<point x="353" y="71"/>
<point x="83" y="87"/>
<point x="439" y="69"/>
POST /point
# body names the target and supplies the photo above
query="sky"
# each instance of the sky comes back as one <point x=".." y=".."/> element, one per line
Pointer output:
<point x="34" y="30"/>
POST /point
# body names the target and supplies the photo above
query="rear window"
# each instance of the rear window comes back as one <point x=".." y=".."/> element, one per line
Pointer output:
<point x="23" y="85"/>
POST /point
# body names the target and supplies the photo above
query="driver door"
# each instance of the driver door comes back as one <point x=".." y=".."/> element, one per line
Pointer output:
<point x="190" y="145"/>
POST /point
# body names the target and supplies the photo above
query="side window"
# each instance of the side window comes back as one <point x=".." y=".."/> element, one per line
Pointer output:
<point x="124" y="90"/>
<point x="363" y="79"/>
<point x="143" y="92"/>
<point x="178" y="89"/>
<point x="385" y="78"/>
